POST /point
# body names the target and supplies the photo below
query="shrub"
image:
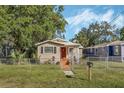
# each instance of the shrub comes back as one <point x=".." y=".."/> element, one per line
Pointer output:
<point x="17" y="56"/>
<point x="57" y="63"/>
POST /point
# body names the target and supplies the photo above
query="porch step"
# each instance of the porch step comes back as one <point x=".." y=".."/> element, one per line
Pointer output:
<point x="69" y="73"/>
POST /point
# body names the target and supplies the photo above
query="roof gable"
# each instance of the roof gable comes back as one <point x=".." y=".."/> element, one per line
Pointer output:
<point x="58" y="41"/>
<point x="116" y="43"/>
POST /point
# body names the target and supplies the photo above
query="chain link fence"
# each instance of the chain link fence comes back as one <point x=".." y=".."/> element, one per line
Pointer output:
<point x="99" y="63"/>
<point x="101" y="72"/>
<point x="106" y="63"/>
<point x="23" y="61"/>
<point x="11" y="61"/>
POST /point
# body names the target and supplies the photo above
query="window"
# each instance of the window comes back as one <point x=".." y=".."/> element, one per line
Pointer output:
<point x="91" y="50"/>
<point x="70" y="50"/>
<point x="41" y="50"/>
<point x="116" y="50"/>
<point x="95" y="50"/>
<point x="48" y="49"/>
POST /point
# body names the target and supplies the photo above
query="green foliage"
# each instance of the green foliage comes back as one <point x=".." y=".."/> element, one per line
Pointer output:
<point x="17" y="56"/>
<point x="122" y="33"/>
<point x="23" y="26"/>
<point x="51" y="76"/>
<point x="96" y="33"/>
<point x="4" y="28"/>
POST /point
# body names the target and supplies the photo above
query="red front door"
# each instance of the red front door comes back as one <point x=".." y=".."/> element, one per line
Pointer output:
<point x="63" y="52"/>
<point x="64" y="62"/>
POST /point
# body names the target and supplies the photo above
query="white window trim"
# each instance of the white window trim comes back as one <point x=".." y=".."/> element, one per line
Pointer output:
<point x="50" y="52"/>
<point x="115" y="50"/>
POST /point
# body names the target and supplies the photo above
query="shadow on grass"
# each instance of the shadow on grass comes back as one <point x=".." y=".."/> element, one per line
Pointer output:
<point x="78" y="78"/>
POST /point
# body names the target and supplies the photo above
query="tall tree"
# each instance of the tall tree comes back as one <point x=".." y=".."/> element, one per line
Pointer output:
<point x="31" y="24"/>
<point x="4" y="30"/>
<point x="122" y="33"/>
<point x="106" y="31"/>
<point x="96" y="33"/>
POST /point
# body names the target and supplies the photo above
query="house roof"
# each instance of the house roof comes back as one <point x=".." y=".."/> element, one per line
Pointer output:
<point x="108" y="44"/>
<point x="59" y="41"/>
<point x="99" y="45"/>
<point x="81" y="46"/>
<point x="116" y="43"/>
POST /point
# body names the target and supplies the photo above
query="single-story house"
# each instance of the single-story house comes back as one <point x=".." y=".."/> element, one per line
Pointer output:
<point x="95" y="51"/>
<point x="116" y="51"/>
<point x="56" y="49"/>
<point x="113" y="51"/>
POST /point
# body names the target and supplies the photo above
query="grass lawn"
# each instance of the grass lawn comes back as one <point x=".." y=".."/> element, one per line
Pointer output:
<point x="51" y="76"/>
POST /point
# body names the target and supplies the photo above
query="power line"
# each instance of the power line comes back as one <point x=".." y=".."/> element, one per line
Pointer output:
<point x="116" y="17"/>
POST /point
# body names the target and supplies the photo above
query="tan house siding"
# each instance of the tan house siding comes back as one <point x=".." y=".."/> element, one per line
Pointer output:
<point x="48" y="56"/>
<point x="80" y="52"/>
<point x="59" y="44"/>
<point x="74" y="54"/>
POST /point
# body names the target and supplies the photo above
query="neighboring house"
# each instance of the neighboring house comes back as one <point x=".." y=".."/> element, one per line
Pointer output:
<point x="113" y="51"/>
<point x="95" y="51"/>
<point x="116" y="51"/>
<point x="56" y="49"/>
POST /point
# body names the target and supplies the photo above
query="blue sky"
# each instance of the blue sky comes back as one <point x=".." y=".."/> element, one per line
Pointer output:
<point x="79" y="16"/>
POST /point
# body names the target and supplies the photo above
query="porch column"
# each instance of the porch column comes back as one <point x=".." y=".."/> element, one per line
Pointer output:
<point x="78" y="54"/>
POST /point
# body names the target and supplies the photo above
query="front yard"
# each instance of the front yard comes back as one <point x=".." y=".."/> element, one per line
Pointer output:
<point x="44" y="76"/>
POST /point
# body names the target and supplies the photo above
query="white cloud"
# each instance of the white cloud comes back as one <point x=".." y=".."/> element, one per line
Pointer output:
<point x="77" y="29"/>
<point x="107" y="16"/>
<point x="89" y="16"/>
<point x="119" y="22"/>
<point x="82" y="17"/>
